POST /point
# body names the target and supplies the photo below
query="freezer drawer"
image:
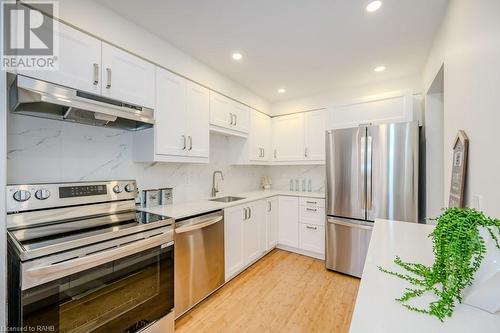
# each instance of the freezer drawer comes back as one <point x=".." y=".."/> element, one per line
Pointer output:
<point x="347" y="244"/>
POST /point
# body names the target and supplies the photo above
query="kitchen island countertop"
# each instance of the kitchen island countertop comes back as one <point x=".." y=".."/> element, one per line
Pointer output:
<point x="190" y="208"/>
<point x="376" y="309"/>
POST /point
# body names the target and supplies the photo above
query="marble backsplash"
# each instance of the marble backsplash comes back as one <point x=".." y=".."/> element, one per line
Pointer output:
<point x="41" y="150"/>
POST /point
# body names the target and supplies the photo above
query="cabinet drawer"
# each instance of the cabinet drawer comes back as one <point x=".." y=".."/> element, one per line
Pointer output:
<point x="312" y="202"/>
<point x="312" y="238"/>
<point x="312" y="215"/>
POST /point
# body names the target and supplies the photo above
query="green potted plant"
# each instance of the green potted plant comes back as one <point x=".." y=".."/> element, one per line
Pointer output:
<point x="462" y="239"/>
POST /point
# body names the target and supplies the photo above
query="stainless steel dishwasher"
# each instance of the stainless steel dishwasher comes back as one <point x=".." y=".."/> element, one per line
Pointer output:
<point x="199" y="259"/>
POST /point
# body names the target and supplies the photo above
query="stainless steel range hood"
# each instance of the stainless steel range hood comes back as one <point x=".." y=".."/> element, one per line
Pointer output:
<point x="38" y="98"/>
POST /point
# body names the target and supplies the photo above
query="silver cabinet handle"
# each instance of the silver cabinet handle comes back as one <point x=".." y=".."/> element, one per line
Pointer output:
<point x="96" y="74"/>
<point x="197" y="226"/>
<point x="108" y="84"/>
<point x="184" y="142"/>
<point x="312" y="209"/>
<point x="263" y="152"/>
<point x="235" y="119"/>
<point x="275" y="153"/>
<point x="249" y="213"/>
<point x="190" y="139"/>
<point x="270" y="206"/>
<point x="230" y="118"/>
<point x="312" y="228"/>
<point x="245" y="216"/>
<point x="305" y="152"/>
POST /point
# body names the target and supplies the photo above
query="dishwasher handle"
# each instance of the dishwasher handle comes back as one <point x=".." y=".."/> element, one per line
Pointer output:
<point x="200" y="225"/>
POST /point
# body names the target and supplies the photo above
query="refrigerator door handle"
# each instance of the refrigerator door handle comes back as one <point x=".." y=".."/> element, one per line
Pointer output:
<point x="369" y="172"/>
<point x="350" y="225"/>
<point x="362" y="185"/>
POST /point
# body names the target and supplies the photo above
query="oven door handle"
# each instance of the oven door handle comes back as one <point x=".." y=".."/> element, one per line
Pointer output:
<point x="197" y="226"/>
<point x="35" y="276"/>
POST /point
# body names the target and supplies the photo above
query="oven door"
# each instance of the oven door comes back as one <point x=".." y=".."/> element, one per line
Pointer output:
<point x="126" y="294"/>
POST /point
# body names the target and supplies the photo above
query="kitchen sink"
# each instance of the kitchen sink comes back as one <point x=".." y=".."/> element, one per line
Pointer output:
<point x="227" y="199"/>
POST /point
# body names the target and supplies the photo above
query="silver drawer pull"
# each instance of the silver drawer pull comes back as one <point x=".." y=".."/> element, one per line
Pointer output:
<point x="312" y="202"/>
<point x="312" y="228"/>
<point x="312" y="209"/>
<point x="108" y="71"/>
<point x="96" y="74"/>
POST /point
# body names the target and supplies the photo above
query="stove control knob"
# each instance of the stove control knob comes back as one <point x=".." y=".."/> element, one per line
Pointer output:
<point x="117" y="189"/>
<point x="130" y="188"/>
<point x="42" y="194"/>
<point x="22" y="195"/>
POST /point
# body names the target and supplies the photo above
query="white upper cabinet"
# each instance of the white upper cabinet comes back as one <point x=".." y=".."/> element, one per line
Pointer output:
<point x="315" y="127"/>
<point x="181" y="130"/>
<point x="170" y="115"/>
<point x="259" y="138"/>
<point x="126" y="77"/>
<point x="197" y="110"/>
<point x="78" y="63"/>
<point x="288" y="138"/>
<point x="227" y="116"/>
<point x="386" y="108"/>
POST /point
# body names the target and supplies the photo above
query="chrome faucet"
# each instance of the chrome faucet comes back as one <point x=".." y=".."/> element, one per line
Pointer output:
<point x="215" y="186"/>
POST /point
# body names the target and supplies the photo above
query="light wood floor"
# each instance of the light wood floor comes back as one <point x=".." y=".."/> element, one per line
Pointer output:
<point x="282" y="292"/>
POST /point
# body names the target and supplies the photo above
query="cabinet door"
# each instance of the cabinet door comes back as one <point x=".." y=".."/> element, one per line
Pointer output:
<point x="271" y="223"/>
<point x="312" y="238"/>
<point x="241" y="116"/>
<point x="260" y="136"/>
<point x="79" y="61"/>
<point x="198" y="104"/>
<point x="126" y="77"/>
<point x="315" y="127"/>
<point x="389" y="108"/>
<point x="219" y="110"/>
<point x="233" y="240"/>
<point x="288" y="137"/>
<point x="170" y="115"/>
<point x="253" y="242"/>
<point x="288" y="225"/>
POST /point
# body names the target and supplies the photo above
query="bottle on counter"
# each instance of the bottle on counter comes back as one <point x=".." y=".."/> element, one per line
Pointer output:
<point x="297" y="188"/>
<point x="303" y="185"/>
<point x="309" y="186"/>
<point x="291" y="184"/>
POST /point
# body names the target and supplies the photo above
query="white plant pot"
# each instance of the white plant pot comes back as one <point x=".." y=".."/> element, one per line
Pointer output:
<point x="485" y="290"/>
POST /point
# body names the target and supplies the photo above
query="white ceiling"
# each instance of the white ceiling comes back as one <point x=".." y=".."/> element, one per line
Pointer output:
<point x="306" y="46"/>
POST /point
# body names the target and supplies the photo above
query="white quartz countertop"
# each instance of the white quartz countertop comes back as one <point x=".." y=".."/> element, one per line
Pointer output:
<point x="376" y="309"/>
<point x="190" y="208"/>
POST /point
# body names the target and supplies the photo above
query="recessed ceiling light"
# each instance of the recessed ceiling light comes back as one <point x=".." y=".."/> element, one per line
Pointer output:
<point x="237" y="56"/>
<point x="281" y="90"/>
<point x="379" y="69"/>
<point x="373" y="6"/>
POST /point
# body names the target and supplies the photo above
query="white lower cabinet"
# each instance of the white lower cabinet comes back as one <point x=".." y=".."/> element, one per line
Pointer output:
<point x="271" y="223"/>
<point x="244" y="243"/>
<point x="312" y="238"/>
<point x="288" y="225"/>
<point x="253" y="229"/>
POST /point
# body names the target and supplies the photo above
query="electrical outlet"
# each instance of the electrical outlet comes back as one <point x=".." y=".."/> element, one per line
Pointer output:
<point x="477" y="202"/>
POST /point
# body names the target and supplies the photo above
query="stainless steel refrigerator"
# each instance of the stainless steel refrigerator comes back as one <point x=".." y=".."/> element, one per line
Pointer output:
<point x="371" y="172"/>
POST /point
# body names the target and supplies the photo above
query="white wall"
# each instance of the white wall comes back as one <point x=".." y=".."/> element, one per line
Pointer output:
<point x="341" y="95"/>
<point x="468" y="44"/>
<point x="104" y="23"/>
